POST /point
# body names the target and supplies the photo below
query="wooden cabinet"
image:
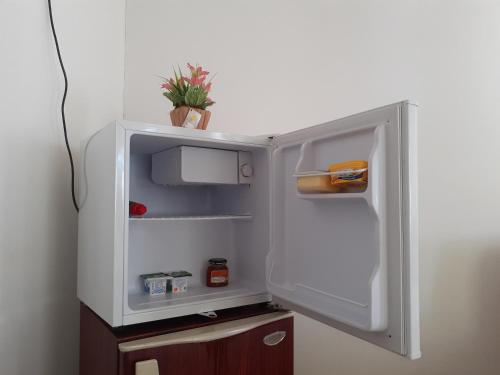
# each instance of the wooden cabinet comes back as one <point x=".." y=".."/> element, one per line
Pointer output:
<point x="249" y="340"/>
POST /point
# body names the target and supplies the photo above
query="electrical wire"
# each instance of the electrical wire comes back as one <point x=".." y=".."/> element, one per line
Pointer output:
<point x="63" y="102"/>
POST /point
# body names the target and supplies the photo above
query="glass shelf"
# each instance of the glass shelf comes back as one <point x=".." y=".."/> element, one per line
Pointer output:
<point x="192" y="217"/>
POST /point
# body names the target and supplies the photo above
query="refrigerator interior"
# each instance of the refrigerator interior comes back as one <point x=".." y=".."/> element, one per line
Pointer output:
<point x="188" y="224"/>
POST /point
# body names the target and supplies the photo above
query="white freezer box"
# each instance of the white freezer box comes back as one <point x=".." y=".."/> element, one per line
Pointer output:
<point x="185" y="165"/>
<point x="349" y="260"/>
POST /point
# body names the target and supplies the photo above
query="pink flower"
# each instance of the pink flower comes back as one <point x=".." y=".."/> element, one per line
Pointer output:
<point x="168" y="84"/>
<point x="202" y="72"/>
<point x="200" y="80"/>
<point x="195" y="80"/>
<point x="197" y="70"/>
<point x="198" y="75"/>
<point x="207" y="86"/>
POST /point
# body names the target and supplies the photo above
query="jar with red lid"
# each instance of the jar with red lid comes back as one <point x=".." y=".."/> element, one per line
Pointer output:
<point x="217" y="272"/>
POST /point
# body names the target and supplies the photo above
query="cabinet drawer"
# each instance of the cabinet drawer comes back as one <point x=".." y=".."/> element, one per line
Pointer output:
<point x="259" y="345"/>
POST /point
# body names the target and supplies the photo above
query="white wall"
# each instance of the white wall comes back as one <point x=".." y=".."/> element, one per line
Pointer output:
<point x="38" y="305"/>
<point x="287" y="64"/>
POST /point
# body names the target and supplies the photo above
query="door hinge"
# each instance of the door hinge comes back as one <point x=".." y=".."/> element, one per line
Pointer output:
<point x="209" y="314"/>
<point x="275" y="306"/>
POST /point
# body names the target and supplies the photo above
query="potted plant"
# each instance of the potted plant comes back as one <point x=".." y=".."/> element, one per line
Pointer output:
<point x="189" y="96"/>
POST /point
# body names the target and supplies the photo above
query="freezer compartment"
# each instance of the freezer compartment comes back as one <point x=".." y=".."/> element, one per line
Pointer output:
<point x="185" y="165"/>
<point x="167" y="201"/>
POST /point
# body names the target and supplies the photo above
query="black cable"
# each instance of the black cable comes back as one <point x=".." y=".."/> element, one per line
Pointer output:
<point x="62" y="108"/>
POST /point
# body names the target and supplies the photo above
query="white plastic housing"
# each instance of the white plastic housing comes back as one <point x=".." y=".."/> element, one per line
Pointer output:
<point x="195" y="165"/>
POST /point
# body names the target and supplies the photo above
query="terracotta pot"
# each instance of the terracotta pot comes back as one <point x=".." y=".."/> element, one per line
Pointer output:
<point x="178" y="115"/>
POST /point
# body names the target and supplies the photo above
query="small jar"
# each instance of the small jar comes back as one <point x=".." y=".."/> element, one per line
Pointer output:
<point x="217" y="272"/>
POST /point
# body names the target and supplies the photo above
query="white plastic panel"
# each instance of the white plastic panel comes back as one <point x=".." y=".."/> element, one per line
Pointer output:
<point x="100" y="224"/>
<point x="195" y="165"/>
<point x="330" y="252"/>
<point x="340" y="258"/>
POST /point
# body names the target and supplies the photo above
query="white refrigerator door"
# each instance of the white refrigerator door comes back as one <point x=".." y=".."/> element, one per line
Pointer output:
<point x="350" y="260"/>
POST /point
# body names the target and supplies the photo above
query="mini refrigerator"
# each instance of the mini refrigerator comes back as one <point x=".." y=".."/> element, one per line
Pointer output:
<point x="349" y="260"/>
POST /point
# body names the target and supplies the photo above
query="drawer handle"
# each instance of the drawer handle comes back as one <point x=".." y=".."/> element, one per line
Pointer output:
<point x="149" y="367"/>
<point x="274" y="338"/>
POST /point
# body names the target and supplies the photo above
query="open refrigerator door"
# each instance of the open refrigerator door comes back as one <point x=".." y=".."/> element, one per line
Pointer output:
<point x="347" y="254"/>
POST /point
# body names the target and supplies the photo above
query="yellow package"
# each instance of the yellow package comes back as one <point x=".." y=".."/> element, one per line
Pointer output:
<point x="351" y="175"/>
<point x="316" y="184"/>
